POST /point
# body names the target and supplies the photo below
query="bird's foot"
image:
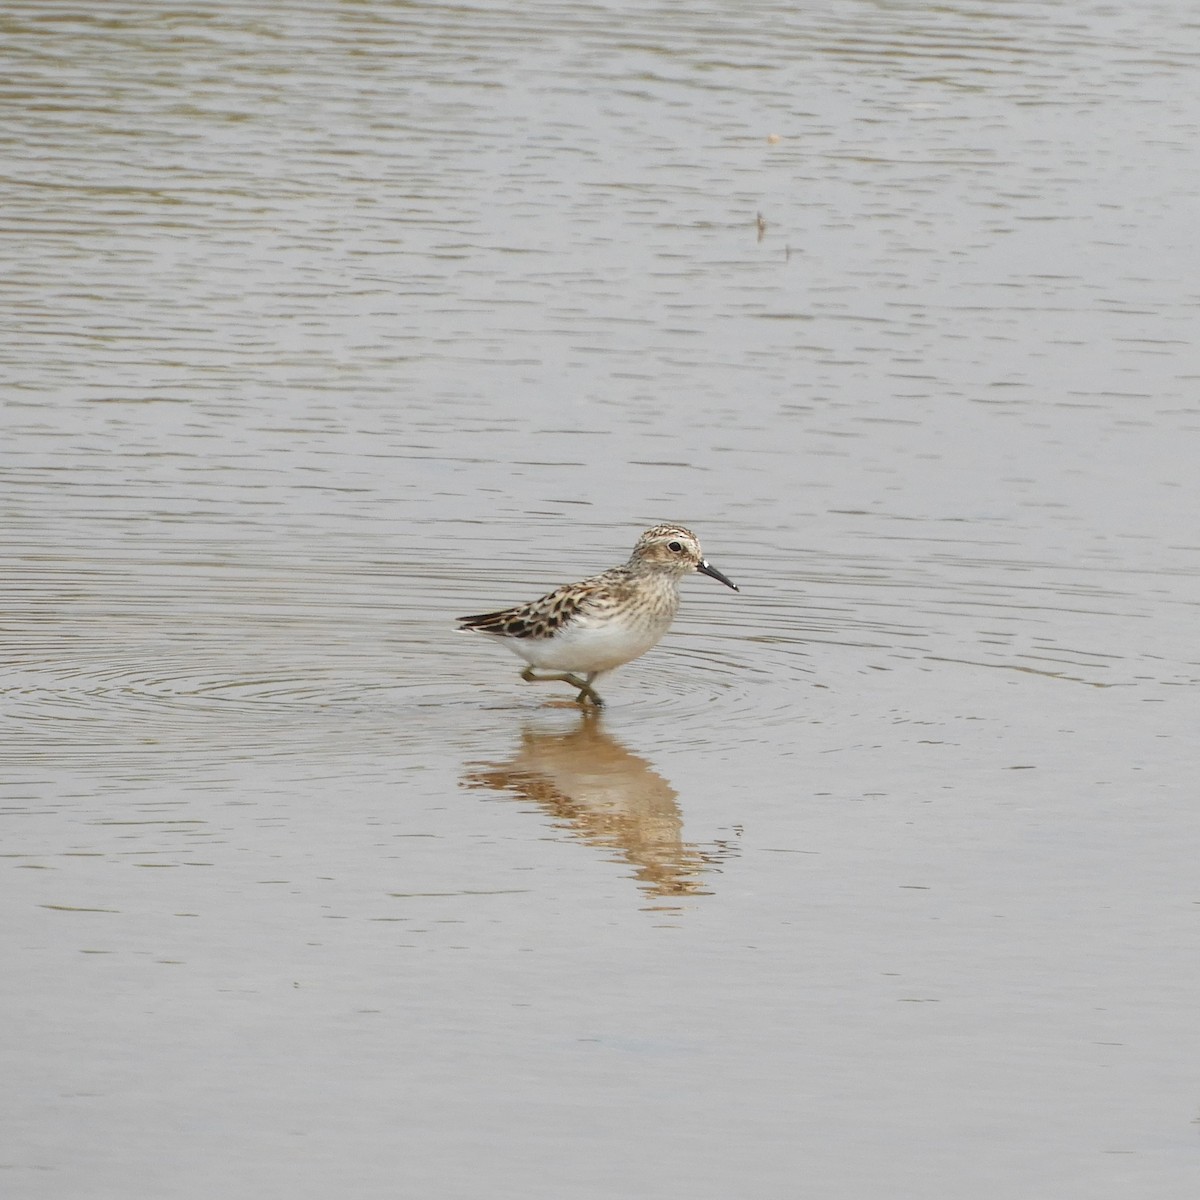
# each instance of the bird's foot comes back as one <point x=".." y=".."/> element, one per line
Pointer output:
<point x="587" y="693"/>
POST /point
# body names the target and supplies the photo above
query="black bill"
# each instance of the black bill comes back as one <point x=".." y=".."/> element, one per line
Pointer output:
<point x="706" y="568"/>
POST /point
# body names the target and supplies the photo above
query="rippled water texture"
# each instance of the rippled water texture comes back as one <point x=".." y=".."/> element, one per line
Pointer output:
<point x="325" y="323"/>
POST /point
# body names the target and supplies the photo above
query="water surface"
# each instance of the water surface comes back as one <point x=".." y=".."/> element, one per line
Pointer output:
<point x="327" y="323"/>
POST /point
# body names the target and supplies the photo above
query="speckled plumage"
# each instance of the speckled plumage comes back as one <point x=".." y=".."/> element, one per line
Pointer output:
<point x="605" y="621"/>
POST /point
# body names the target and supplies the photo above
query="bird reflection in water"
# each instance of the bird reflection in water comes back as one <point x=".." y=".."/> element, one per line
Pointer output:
<point x="607" y="797"/>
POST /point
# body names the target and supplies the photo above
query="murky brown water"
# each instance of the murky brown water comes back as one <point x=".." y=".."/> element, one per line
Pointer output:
<point x="325" y="323"/>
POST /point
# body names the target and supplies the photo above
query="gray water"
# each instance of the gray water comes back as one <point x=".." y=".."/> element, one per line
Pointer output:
<point x="324" y="323"/>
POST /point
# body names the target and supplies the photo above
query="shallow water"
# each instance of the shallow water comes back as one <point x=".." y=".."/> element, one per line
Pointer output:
<point x="330" y="323"/>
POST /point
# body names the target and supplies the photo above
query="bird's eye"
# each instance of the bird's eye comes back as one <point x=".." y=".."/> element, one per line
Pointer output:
<point x="674" y="546"/>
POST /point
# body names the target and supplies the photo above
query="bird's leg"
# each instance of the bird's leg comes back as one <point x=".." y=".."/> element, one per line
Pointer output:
<point x="586" y="689"/>
<point x="584" y="685"/>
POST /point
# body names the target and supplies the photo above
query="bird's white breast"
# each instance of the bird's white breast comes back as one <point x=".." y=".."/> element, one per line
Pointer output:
<point x="594" y="644"/>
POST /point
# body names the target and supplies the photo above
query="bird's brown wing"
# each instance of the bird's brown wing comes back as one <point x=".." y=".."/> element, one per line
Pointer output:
<point x="539" y="618"/>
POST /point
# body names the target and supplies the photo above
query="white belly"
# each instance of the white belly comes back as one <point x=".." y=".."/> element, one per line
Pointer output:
<point x="584" y="647"/>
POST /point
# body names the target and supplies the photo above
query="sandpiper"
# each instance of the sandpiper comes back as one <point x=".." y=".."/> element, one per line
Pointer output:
<point x="582" y="629"/>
